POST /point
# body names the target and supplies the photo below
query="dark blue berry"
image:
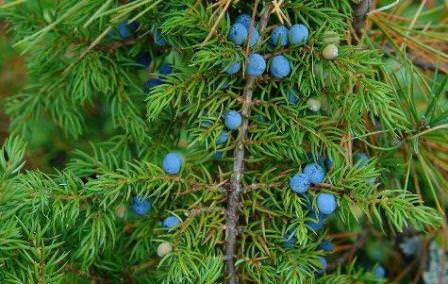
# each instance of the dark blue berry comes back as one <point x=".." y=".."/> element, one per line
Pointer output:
<point x="326" y="245"/>
<point x="140" y="205"/>
<point x="158" y="38"/>
<point x="143" y="60"/>
<point x="150" y="84"/>
<point x="165" y="69"/>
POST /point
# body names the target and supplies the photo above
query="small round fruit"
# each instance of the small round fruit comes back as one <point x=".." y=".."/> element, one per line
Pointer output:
<point x="330" y="52"/>
<point x="232" y="120"/>
<point x="256" y="65"/>
<point x="279" y="67"/>
<point x="313" y="104"/>
<point x="164" y="249"/>
<point x="238" y="34"/>
<point x="298" y="34"/>
<point x="326" y="203"/>
<point x="172" y="163"/>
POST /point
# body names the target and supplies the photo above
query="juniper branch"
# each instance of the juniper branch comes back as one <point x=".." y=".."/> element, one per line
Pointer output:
<point x="238" y="165"/>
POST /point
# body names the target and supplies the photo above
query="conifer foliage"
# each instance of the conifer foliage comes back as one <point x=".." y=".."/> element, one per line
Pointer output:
<point x="222" y="142"/>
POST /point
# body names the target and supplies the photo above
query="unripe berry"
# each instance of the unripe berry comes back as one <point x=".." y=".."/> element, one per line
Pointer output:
<point x="121" y="211"/>
<point x="164" y="249"/>
<point x="331" y="37"/>
<point x="330" y="52"/>
<point x="313" y="104"/>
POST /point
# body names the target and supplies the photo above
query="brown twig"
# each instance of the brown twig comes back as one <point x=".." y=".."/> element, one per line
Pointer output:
<point x="350" y="254"/>
<point x="360" y="11"/>
<point x="233" y="196"/>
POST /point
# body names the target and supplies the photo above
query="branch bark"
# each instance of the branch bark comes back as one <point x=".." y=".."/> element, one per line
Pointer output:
<point x="235" y="189"/>
<point x="360" y="11"/>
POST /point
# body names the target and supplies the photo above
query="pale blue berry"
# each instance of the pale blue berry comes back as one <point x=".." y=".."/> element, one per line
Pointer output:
<point x="315" y="173"/>
<point x="298" y="34"/>
<point x="326" y="203"/>
<point x="170" y="222"/>
<point x="255" y="65"/>
<point x="222" y="138"/>
<point x="299" y="183"/>
<point x="233" y="68"/>
<point x="232" y="120"/>
<point x="279" y="67"/>
<point x="279" y="35"/>
<point x="254" y="37"/>
<point x="140" y="205"/>
<point x="244" y="19"/>
<point x="238" y="34"/>
<point x="380" y="272"/>
<point x="323" y="263"/>
<point x="172" y="163"/>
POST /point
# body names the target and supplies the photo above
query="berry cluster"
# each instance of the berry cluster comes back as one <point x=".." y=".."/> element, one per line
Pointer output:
<point x="280" y="37"/>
